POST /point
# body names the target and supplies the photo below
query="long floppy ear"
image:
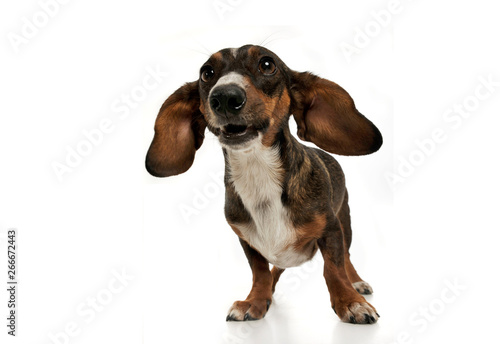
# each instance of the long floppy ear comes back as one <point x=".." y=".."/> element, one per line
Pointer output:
<point x="179" y="132"/>
<point x="326" y="115"/>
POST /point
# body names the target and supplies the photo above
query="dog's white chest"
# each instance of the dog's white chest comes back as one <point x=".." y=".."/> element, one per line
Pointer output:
<point x="256" y="176"/>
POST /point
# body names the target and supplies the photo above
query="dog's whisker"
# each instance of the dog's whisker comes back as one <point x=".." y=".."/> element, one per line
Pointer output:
<point x="268" y="39"/>
<point x="205" y="52"/>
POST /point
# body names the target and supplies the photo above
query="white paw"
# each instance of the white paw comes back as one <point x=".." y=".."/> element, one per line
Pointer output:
<point x="360" y="313"/>
<point x="248" y="310"/>
<point x="235" y="313"/>
<point x="363" y="287"/>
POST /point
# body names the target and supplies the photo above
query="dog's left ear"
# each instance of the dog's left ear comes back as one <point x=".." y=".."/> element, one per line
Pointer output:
<point x="179" y="132"/>
<point x="326" y="115"/>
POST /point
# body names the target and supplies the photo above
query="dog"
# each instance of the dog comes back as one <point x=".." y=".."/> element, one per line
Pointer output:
<point x="283" y="199"/>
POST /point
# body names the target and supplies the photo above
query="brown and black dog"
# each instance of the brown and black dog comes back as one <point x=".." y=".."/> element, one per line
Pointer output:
<point x="284" y="200"/>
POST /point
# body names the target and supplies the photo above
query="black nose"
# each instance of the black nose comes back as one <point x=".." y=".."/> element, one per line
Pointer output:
<point x="227" y="99"/>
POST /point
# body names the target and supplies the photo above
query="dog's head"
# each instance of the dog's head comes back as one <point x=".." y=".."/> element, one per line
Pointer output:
<point x="247" y="95"/>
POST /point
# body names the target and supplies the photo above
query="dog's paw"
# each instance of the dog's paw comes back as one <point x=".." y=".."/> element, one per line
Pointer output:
<point x="248" y="310"/>
<point x="363" y="287"/>
<point x="357" y="313"/>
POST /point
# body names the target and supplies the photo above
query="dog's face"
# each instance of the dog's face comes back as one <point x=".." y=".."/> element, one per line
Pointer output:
<point x="247" y="95"/>
<point x="244" y="95"/>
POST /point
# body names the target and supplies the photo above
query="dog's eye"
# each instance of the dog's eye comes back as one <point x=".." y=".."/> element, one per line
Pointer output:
<point x="206" y="73"/>
<point x="267" y="66"/>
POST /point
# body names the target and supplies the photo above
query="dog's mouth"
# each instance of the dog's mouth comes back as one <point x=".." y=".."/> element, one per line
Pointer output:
<point x="231" y="131"/>
<point x="236" y="134"/>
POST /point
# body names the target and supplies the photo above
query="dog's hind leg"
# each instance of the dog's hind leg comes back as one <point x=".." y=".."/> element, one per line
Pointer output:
<point x="276" y="273"/>
<point x="344" y="216"/>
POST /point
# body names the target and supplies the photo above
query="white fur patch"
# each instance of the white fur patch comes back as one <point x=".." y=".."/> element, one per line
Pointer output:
<point x="359" y="311"/>
<point x="229" y="78"/>
<point x="363" y="287"/>
<point x="234" y="51"/>
<point x="256" y="176"/>
<point x="235" y="313"/>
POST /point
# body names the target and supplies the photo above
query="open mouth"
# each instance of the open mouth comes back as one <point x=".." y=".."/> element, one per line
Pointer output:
<point x="237" y="134"/>
<point x="233" y="130"/>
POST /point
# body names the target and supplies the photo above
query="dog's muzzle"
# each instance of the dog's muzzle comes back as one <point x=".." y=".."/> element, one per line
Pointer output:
<point x="227" y="103"/>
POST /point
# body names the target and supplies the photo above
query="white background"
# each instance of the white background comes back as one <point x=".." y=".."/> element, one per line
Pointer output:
<point x="434" y="228"/>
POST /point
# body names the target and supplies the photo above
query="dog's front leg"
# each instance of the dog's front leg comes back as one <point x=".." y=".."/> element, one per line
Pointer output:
<point x="346" y="302"/>
<point x="258" y="301"/>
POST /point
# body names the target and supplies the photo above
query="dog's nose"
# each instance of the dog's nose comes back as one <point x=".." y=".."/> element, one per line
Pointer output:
<point x="228" y="99"/>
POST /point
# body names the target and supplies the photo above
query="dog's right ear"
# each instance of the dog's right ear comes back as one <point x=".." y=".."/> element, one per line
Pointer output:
<point x="179" y="132"/>
<point x="326" y="115"/>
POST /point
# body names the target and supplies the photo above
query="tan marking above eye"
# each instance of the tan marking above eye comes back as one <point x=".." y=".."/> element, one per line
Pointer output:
<point x="217" y="56"/>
